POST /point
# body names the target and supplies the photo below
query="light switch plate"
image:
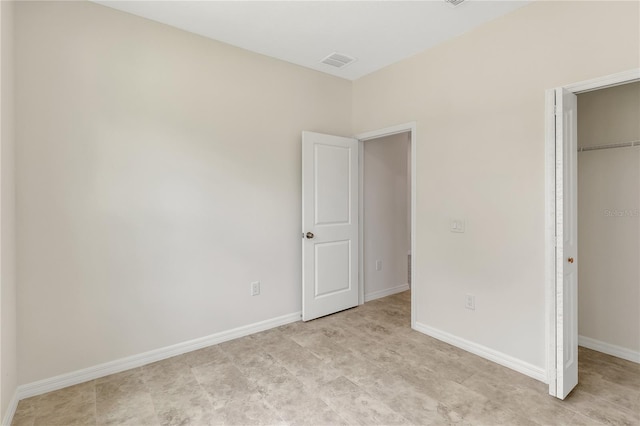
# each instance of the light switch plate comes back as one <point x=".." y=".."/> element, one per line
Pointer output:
<point x="470" y="302"/>
<point x="456" y="225"/>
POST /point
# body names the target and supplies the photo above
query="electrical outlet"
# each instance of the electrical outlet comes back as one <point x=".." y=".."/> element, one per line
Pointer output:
<point x="255" y="288"/>
<point x="456" y="225"/>
<point x="470" y="302"/>
<point x="378" y="265"/>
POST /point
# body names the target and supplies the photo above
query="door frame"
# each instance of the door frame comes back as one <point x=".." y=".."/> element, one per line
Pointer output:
<point x="553" y="314"/>
<point x="376" y="134"/>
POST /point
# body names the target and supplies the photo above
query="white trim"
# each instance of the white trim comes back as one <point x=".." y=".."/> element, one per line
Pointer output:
<point x="122" y="364"/>
<point x="551" y="317"/>
<point x="11" y="410"/>
<point x="414" y="228"/>
<point x="386" y="292"/>
<point x="609" y="349"/>
<point x="388" y="131"/>
<point x="604" y="82"/>
<point x="361" y="295"/>
<point x="505" y="360"/>
<point x="550" y="240"/>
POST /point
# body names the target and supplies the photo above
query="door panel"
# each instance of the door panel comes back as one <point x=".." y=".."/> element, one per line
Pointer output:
<point x="329" y="281"/>
<point x="329" y="224"/>
<point x="567" y="243"/>
<point x="332" y="184"/>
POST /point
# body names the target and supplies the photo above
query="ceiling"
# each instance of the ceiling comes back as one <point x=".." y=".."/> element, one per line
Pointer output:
<point x="376" y="33"/>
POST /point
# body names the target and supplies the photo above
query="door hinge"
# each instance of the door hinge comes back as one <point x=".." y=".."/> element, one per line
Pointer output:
<point x="556" y="110"/>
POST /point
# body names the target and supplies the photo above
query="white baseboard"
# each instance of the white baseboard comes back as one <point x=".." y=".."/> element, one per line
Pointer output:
<point x="609" y="349"/>
<point x="485" y="352"/>
<point x="11" y="410"/>
<point x="122" y="364"/>
<point x="386" y="292"/>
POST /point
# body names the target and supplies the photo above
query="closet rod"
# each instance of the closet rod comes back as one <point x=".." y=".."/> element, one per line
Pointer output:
<point x="611" y="145"/>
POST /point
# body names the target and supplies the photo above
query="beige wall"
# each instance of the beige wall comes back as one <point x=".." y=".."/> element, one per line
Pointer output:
<point x="386" y="193"/>
<point x="479" y="101"/>
<point x="609" y="217"/>
<point x="158" y="175"/>
<point x="8" y="343"/>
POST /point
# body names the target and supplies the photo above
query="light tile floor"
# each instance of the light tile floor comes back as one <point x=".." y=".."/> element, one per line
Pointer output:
<point x="361" y="366"/>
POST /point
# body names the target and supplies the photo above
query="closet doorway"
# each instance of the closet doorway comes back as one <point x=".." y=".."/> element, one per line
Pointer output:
<point x="563" y="258"/>
<point x="609" y="221"/>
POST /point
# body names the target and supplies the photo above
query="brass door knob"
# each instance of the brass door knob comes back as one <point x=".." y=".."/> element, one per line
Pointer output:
<point x="310" y="235"/>
<point x="570" y="260"/>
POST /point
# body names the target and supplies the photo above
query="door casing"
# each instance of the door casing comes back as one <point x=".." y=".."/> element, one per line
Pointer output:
<point x="552" y="312"/>
<point x="362" y="138"/>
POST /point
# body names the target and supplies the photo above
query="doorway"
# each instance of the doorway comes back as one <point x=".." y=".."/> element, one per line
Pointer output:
<point x="380" y="267"/>
<point x="332" y="220"/>
<point x="386" y="217"/>
<point x="609" y="221"/>
<point x="561" y="228"/>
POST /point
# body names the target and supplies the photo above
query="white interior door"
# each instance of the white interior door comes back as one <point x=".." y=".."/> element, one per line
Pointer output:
<point x="566" y="242"/>
<point x="329" y="224"/>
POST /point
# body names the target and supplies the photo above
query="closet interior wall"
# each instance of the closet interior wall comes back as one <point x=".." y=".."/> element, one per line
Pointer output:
<point x="609" y="218"/>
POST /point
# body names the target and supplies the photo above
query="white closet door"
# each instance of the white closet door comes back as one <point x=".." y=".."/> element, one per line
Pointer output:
<point x="567" y="242"/>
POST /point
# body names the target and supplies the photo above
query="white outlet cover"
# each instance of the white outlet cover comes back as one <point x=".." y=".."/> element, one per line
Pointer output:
<point x="457" y="225"/>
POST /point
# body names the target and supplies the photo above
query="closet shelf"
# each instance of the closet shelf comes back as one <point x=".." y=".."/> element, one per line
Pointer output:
<point x="611" y="145"/>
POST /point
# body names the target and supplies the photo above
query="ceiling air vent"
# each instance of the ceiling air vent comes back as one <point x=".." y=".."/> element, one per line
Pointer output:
<point x="338" y="60"/>
<point x="454" y="2"/>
